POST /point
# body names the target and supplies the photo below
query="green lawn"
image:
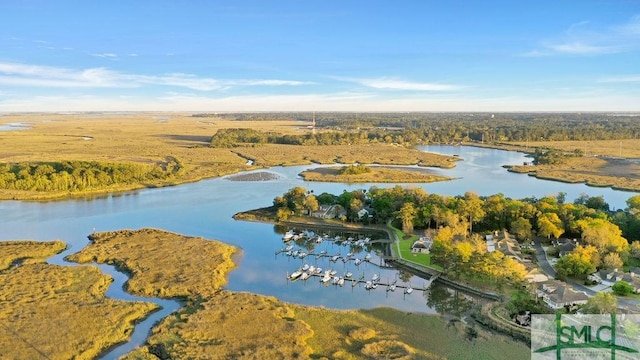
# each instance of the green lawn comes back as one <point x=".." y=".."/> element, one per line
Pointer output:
<point x="405" y="250"/>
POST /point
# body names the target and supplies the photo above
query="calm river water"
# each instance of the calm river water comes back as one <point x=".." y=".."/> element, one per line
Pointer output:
<point x="205" y="209"/>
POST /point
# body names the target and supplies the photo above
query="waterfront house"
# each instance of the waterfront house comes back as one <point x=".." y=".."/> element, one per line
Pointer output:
<point x="422" y="245"/>
<point x="329" y="212"/>
<point x="557" y="294"/>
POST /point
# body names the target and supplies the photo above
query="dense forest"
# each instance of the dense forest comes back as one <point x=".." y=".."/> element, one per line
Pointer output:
<point x="75" y="176"/>
<point x="415" y="128"/>
<point x="606" y="238"/>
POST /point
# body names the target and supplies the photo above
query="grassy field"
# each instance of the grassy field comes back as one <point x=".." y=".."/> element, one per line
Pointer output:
<point x="372" y="334"/>
<point x="377" y="174"/>
<point x="55" y="312"/>
<point x="151" y="138"/>
<point x="616" y="173"/>
<point x="383" y="154"/>
<point x="27" y="252"/>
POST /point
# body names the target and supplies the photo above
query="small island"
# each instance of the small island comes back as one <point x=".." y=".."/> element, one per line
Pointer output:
<point x="361" y="173"/>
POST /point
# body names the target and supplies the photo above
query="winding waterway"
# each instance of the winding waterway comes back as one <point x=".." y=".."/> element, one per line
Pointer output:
<point x="205" y="209"/>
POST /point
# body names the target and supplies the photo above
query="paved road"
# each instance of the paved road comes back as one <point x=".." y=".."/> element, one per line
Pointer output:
<point x="543" y="262"/>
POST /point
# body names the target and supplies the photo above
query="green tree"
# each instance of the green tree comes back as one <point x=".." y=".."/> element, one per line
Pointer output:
<point x="612" y="261"/>
<point x="603" y="234"/>
<point x="472" y="207"/>
<point x="633" y="204"/>
<point x="601" y="303"/>
<point x="549" y="224"/>
<point x="580" y="262"/>
<point x="622" y="288"/>
<point x="295" y="199"/>
<point x="521" y="228"/>
<point x="406" y="214"/>
<point x="311" y="203"/>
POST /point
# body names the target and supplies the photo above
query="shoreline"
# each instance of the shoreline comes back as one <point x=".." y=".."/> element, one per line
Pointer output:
<point x="19" y="195"/>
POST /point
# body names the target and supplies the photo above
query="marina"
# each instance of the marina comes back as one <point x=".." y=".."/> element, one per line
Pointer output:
<point x="357" y="249"/>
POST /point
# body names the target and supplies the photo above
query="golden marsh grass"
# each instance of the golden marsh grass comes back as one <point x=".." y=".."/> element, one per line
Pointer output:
<point x="162" y="264"/>
<point x="377" y="174"/>
<point x="383" y="154"/>
<point x="56" y="312"/>
<point x="28" y="252"/>
<point x="149" y="138"/>
<point x="616" y="173"/>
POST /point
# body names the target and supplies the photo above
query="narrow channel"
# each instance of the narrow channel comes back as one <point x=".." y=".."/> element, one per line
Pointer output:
<point x="116" y="291"/>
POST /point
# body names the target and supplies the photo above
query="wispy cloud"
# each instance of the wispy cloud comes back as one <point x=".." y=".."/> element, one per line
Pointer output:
<point x="47" y="76"/>
<point x="105" y="55"/>
<point x="386" y="83"/>
<point x="581" y="48"/>
<point x="582" y="39"/>
<point x="634" y="78"/>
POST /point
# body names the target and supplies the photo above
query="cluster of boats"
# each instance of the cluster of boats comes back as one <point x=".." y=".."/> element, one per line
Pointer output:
<point x="331" y="277"/>
<point x="301" y="254"/>
<point x="318" y="239"/>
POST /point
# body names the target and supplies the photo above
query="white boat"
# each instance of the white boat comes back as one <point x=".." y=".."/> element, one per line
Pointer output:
<point x="305" y="276"/>
<point x="318" y="270"/>
<point x="318" y="239"/>
<point x="288" y="235"/>
<point x="302" y="255"/>
<point x="296" y="274"/>
<point x="326" y="278"/>
<point x="367" y="257"/>
<point x="408" y="290"/>
<point x="391" y="287"/>
<point x="348" y="275"/>
<point x="335" y="280"/>
<point x="335" y="258"/>
<point x="375" y="277"/>
<point x="332" y="272"/>
<point x="341" y="281"/>
<point x="368" y="285"/>
<point x="312" y="269"/>
<point x="288" y="248"/>
<point x="357" y="261"/>
<point x="305" y="267"/>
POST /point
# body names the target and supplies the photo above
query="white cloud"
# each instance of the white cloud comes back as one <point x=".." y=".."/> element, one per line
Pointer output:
<point x="47" y="76"/>
<point x="621" y="79"/>
<point x="580" y="48"/>
<point x="397" y="84"/>
<point x="106" y="55"/>
<point x="583" y="39"/>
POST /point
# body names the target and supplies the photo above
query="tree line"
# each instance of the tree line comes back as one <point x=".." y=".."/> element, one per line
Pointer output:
<point x="415" y="128"/>
<point x="81" y="175"/>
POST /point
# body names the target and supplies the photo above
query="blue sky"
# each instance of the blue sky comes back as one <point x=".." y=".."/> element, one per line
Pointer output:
<point x="63" y="55"/>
